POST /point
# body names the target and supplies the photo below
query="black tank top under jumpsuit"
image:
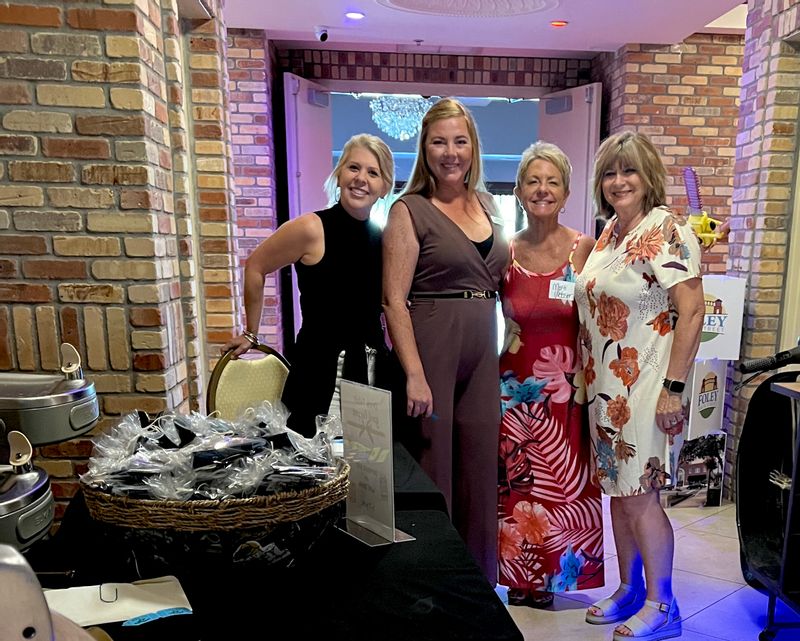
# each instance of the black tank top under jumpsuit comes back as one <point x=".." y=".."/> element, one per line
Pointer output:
<point x="340" y="299"/>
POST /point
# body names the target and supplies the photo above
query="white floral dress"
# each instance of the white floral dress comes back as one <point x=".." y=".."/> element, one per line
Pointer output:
<point x="626" y="325"/>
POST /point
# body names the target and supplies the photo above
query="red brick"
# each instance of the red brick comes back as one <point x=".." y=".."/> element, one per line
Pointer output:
<point x="111" y="125"/>
<point x="70" y="328"/>
<point x="213" y="214"/>
<point x="30" y="16"/>
<point x="8" y="268"/>
<point x="76" y="148"/>
<point x="104" y="19"/>
<point x="24" y="293"/>
<point x="15" y="93"/>
<point x="149" y="362"/>
<point x="146" y="317"/>
<point x="213" y="198"/>
<point x="198" y="44"/>
<point x="211" y="131"/>
<point x="218" y="291"/>
<point x="81" y="448"/>
<point x="55" y="269"/>
<point x="64" y="489"/>
<point x="6" y="360"/>
<point x="206" y="79"/>
<point x="17" y="245"/>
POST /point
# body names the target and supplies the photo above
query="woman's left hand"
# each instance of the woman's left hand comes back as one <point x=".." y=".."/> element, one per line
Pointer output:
<point x="669" y="413"/>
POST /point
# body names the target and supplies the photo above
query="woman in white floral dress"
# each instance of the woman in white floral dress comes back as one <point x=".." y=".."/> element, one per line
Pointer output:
<point x="640" y="301"/>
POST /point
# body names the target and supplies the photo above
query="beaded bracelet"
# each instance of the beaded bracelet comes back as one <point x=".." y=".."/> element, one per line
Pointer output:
<point x="251" y="337"/>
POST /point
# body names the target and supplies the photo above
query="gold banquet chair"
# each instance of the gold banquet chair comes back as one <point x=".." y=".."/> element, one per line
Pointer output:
<point x="238" y="383"/>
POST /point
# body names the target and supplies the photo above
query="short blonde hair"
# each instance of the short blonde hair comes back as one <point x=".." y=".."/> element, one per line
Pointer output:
<point x="382" y="154"/>
<point x="422" y="180"/>
<point x="632" y="150"/>
<point x="549" y="152"/>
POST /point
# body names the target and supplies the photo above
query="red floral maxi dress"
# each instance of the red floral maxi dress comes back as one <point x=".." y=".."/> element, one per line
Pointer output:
<point x="550" y="514"/>
<point x="626" y="331"/>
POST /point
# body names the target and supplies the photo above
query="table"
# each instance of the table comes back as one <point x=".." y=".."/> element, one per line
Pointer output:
<point x="413" y="488"/>
<point x="429" y="589"/>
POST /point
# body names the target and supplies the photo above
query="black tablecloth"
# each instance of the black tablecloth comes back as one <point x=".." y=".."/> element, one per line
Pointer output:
<point x="413" y="489"/>
<point x="427" y="589"/>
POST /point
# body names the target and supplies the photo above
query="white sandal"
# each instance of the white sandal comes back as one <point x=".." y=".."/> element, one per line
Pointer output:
<point x="671" y="626"/>
<point x="616" y="610"/>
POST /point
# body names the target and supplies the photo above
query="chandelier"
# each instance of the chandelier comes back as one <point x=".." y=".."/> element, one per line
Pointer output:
<point x="399" y="116"/>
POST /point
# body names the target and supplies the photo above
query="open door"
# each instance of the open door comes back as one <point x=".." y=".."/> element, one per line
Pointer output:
<point x="309" y="153"/>
<point x="571" y="120"/>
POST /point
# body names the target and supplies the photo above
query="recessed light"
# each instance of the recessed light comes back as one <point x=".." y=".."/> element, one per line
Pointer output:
<point x="354" y="15"/>
<point x="558" y="24"/>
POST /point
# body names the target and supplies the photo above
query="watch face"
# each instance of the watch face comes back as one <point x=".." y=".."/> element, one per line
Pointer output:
<point x="674" y="386"/>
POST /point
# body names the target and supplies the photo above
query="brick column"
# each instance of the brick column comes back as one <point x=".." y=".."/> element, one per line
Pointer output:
<point x="766" y="153"/>
<point x="213" y="180"/>
<point x="100" y="169"/>
<point x="685" y="97"/>
<point x="250" y="68"/>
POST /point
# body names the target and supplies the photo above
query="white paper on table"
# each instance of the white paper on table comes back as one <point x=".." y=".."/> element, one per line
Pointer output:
<point x="110" y="602"/>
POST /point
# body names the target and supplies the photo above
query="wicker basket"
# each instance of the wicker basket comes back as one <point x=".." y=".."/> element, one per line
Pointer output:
<point x="264" y="512"/>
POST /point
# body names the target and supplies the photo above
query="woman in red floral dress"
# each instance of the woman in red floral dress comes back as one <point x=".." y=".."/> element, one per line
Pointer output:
<point x="550" y="515"/>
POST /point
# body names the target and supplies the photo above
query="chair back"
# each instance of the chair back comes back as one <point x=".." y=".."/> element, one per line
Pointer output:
<point x="247" y="381"/>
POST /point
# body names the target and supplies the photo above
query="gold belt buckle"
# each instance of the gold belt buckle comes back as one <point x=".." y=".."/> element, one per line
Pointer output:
<point x="478" y="294"/>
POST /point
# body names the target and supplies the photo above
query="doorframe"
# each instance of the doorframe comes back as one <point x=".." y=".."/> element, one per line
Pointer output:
<point x="790" y="309"/>
<point x="432" y="89"/>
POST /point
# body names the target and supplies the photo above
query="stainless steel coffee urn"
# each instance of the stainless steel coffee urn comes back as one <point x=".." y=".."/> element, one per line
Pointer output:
<point x="37" y="409"/>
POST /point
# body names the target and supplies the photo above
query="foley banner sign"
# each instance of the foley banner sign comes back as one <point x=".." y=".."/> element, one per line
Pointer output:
<point x="706" y="397"/>
<point x="722" y="324"/>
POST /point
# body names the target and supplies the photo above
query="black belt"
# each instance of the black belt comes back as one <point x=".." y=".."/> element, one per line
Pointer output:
<point x="467" y="294"/>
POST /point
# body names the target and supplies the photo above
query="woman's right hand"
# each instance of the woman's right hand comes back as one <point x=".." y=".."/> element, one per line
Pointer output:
<point x="419" y="397"/>
<point x="239" y="344"/>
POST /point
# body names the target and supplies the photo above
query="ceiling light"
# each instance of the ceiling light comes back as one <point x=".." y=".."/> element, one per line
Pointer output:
<point x="354" y="15"/>
<point x="558" y="23"/>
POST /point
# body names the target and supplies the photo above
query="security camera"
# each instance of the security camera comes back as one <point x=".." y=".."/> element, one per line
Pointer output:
<point x="321" y="33"/>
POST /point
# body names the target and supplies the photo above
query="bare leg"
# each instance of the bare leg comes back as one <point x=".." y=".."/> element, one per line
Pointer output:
<point x="628" y="556"/>
<point x="652" y="534"/>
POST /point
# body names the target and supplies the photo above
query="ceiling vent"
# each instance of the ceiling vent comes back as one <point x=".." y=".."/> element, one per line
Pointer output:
<point x="471" y="8"/>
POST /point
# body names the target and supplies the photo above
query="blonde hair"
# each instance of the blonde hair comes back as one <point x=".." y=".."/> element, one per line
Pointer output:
<point x="548" y="152"/>
<point x="382" y="154"/>
<point x="422" y="180"/>
<point x="632" y="150"/>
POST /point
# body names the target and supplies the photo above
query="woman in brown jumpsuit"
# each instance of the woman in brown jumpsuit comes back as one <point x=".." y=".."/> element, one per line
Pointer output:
<point x="444" y="259"/>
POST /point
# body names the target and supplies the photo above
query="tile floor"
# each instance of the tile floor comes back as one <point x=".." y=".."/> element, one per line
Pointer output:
<point x="715" y="601"/>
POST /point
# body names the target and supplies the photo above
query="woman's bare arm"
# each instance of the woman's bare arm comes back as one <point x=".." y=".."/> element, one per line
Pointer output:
<point x="400" y="254"/>
<point x="299" y="239"/>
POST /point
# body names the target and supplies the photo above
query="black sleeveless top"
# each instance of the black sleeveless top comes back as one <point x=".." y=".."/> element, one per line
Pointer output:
<point x="340" y="296"/>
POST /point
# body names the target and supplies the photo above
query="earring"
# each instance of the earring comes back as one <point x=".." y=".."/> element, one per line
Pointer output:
<point x="562" y="210"/>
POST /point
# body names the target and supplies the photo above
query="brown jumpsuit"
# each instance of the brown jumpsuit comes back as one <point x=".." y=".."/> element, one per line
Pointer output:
<point x="457" y="343"/>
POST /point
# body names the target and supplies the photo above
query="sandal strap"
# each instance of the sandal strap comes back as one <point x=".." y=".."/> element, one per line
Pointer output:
<point x="666" y="608"/>
<point x="610" y="606"/>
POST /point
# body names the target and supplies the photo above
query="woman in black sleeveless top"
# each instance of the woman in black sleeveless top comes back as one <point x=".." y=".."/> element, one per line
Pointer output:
<point x="337" y="257"/>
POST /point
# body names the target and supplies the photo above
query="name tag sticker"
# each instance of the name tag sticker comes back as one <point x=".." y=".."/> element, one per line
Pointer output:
<point x="562" y="290"/>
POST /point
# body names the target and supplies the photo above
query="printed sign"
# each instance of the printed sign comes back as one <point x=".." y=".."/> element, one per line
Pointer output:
<point x="706" y="397"/>
<point x="367" y="431"/>
<point x="722" y="323"/>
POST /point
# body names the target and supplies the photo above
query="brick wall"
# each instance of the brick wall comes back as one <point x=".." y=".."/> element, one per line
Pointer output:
<point x="114" y="146"/>
<point x="685" y="97"/>
<point x="210" y="142"/>
<point x="251" y="73"/>
<point x="503" y="71"/>
<point x="766" y="152"/>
